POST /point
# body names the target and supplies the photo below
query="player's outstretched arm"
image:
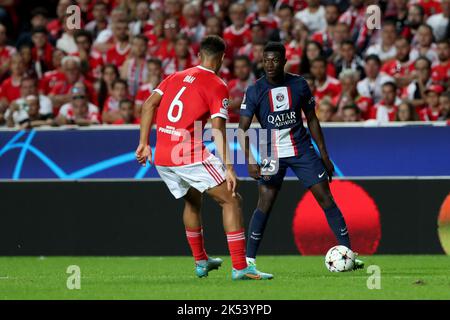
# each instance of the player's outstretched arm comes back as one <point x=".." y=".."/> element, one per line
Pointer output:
<point x="244" y="141"/>
<point x="317" y="135"/>
<point x="143" y="151"/>
<point x="220" y="140"/>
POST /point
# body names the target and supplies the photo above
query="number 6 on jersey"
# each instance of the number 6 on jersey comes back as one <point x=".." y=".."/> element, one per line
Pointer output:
<point x="176" y="102"/>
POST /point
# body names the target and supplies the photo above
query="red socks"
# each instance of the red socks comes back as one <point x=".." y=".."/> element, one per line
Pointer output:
<point x="195" y="239"/>
<point x="236" y="245"/>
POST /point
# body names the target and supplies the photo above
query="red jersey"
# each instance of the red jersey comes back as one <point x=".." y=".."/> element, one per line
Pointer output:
<point x="269" y="21"/>
<point x="236" y="39"/>
<point x="49" y="79"/>
<point x="189" y="98"/>
<point x="117" y="56"/>
<point x="293" y="55"/>
<point x="142" y="94"/>
<point x="331" y="88"/>
<point x="95" y="61"/>
<point x="10" y="90"/>
<point x="441" y="72"/>
<point x="430" y="6"/>
<point x="121" y="121"/>
<point x="383" y="113"/>
<point x="62" y="87"/>
<point x="427" y="114"/>
<point x="395" y="67"/>
<point x="6" y="53"/>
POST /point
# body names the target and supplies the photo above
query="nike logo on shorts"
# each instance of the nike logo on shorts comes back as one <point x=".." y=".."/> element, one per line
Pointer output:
<point x="321" y="175"/>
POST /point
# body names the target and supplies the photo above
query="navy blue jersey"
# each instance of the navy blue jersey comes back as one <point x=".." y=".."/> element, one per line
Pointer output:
<point x="279" y="109"/>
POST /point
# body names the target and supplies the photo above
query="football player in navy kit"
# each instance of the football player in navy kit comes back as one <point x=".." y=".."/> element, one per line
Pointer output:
<point x="277" y="100"/>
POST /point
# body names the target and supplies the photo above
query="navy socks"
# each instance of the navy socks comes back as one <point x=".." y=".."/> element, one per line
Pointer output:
<point x="255" y="232"/>
<point x="337" y="224"/>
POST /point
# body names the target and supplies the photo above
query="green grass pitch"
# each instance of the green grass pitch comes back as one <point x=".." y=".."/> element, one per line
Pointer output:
<point x="296" y="277"/>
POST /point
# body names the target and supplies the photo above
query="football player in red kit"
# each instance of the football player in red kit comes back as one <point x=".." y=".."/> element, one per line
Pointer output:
<point x="184" y="100"/>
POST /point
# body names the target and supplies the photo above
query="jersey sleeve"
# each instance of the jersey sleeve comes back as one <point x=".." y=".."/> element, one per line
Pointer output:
<point x="248" y="105"/>
<point x="308" y="103"/>
<point x="163" y="85"/>
<point x="218" y="102"/>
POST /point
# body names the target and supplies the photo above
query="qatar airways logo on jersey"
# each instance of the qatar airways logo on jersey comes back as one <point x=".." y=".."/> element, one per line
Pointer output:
<point x="282" y="119"/>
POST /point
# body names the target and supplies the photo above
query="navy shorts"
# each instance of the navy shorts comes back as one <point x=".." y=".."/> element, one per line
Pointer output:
<point x="308" y="167"/>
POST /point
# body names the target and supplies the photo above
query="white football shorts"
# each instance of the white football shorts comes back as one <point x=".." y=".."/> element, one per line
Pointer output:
<point x="200" y="175"/>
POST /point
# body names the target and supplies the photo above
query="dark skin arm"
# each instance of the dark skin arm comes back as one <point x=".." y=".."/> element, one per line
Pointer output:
<point x="317" y="135"/>
<point x="254" y="170"/>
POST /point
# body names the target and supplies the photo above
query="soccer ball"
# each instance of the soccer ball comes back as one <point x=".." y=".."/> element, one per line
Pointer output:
<point x="339" y="259"/>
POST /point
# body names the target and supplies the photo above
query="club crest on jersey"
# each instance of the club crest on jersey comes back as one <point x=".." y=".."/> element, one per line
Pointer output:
<point x="279" y="99"/>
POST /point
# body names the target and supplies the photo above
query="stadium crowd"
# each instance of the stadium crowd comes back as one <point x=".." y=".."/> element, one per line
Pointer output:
<point x="103" y="72"/>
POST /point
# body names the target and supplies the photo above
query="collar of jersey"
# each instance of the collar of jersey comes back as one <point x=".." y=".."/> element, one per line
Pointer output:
<point x="206" y="69"/>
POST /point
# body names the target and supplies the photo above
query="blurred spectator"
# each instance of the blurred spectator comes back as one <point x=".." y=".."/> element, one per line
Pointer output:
<point x="444" y="104"/>
<point x="6" y="52"/>
<point x="415" y="91"/>
<point x="115" y="33"/>
<point x="194" y="29"/>
<point x="351" y="113"/>
<point x="29" y="117"/>
<point x="263" y="14"/>
<point x="402" y="66"/>
<point x="183" y="59"/>
<point x="371" y="85"/>
<point x="79" y="110"/>
<point x="166" y="48"/>
<point x="440" y="72"/>
<point x="386" y="109"/>
<point x="294" y="49"/>
<point x="424" y="45"/>
<point x="325" y="112"/>
<point x="135" y="67"/>
<point x="313" y="50"/>
<point x="285" y="17"/>
<point x="109" y="73"/>
<point x="143" y="23"/>
<point x="348" y="59"/>
<point x="406" y="112"/>
<point x="10" y="88"/>
<point x="50" y="78"/>
<point x="38" y="19"/>
<point x="126" y="113"/>
<point x="416" y="17"/>
<point x="432" y="110"/>
<point x="60" y="93"/>
<point x="238" y="86"/>
<point x="55" y="27"/>
<point x="325" y="37"/>
<point x="349" y="95"/>
<point x="385" y="47"/>
<point x="439" y="21"/>
<point x="29" y="87"/>
<point x="42" y="52"/>
<point x="238" y="34"/>
<point x="154" y="77"/>
<point x="100" y="21"/>
<point x="120" y="47"/>
<point x="313" y="16"/>
<point x="90" y="60"/>
<point x="110" y="112"/>
<point x="66" y="42"/>
<point x="324" y="84"/>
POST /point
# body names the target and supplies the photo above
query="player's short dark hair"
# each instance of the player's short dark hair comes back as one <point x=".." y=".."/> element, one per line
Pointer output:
<point x="121" y="81"/>
<point x="373" y="57"/>
<point x="83" y="33"/>
<point x="212" y="45"/>
<point x="444" y="41"/>
<point x="390" y="84"/>
<point x="243" y="58"/>
<point x="39" y="30"/>
<point x="273" y="46"/>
